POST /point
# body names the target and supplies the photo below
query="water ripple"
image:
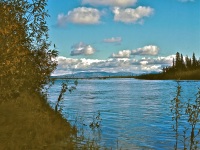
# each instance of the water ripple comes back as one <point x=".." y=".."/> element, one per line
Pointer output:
<point x="135" y="113"/>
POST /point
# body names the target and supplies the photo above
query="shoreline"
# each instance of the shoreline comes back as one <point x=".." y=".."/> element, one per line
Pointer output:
<point x="140" y="77"/>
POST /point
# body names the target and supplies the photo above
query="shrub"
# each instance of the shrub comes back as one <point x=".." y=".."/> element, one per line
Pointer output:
<point x="26" y="61"/>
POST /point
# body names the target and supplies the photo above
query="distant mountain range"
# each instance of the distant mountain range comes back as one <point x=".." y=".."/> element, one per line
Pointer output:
<point x="96" y="74"/>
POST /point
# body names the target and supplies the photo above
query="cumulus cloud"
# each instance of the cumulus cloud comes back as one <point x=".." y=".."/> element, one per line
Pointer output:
<point x="122" y="54"/>
<point x="113" y="40"/>
<point x="82" y="49"/>
<point x="69" y="65"/>
<point x="146" y="50"/>
<point x="80" y="15"/>
<point x="130" y="15"/>
<point x="120" y="3"/>
<point x="158" y="60"/>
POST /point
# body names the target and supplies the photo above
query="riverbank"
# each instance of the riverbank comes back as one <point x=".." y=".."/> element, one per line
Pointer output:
<point x="28" y="122"/>
<point x="181" y="75"/>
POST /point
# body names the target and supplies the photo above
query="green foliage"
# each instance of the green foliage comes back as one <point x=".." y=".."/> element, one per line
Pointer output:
<point x="193" y="112"/>
<point x="190" y="112"/>
<point x="176" y="111"/>
<point x="26" y="61"/>
<point x="96" y="123"/>
<point x="64" y="88"/>
<point x="89" y="135"/>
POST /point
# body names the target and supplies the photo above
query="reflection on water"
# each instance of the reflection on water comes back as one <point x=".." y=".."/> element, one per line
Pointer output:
<point x="135" y="113"/>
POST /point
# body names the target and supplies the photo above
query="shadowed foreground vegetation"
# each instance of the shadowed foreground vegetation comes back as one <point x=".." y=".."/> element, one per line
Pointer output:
<point x="26" y="120"/>
<point x="29" y="123"/>
<point x="26" y="63"/>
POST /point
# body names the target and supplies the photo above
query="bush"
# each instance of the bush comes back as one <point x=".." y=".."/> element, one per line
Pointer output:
<point x="26" y="61"/>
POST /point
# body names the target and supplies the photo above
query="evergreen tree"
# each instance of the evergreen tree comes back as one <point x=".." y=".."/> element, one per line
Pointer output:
<point x="194" y="61"/>
<point x="173" y="66"/>
<point x="188" y="62"/>
<point x="178" y="61"/>
<point x="198" y="64"/>
<point x="182" y="64"/>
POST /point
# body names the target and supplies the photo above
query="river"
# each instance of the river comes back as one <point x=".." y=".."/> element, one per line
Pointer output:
<point x="136" y="114"/>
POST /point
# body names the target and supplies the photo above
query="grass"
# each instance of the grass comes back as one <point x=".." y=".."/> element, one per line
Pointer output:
<point x="29" y="123"/>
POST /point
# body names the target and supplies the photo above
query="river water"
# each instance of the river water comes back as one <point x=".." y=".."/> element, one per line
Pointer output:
<point x="135" y="114"/>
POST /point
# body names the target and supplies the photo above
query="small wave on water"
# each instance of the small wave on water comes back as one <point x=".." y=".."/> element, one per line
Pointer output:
<point x="134" y="113"/>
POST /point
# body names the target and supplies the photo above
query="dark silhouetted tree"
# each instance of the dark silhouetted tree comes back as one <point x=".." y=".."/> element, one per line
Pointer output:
<point x="179" y="64"/>
<point x="194" y="61"/>
<point x="173" y="65"/>
<point x="182" y="64"/>
<point x="178" y="61"/>
<point x="188" y="62"/>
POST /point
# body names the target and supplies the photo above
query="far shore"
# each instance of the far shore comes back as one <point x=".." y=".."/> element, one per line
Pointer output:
<point x="102" y="78"/>
<point x="159" y="76"/>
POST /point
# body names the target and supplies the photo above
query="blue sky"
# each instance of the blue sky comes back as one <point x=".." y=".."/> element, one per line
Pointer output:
<point x="122" y="35"/>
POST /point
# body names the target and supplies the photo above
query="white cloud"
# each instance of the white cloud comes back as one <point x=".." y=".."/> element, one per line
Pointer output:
<point x="120" y="3"/>
<point x="82" y="49"/>
<point x="70" y="65"/>
<point x="122" y="54"/>
<point x="145" y="68"/>
<point x="158" y="60"/>
<point x="130" y="15"/>
<point x="146" y="50"/>
<point x="80" y="15"/>
<point x="113" y="40"/>
<point x="143" y="62"/>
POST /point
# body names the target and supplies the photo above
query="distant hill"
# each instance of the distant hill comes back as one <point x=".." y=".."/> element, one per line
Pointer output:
<point x="96" y="74"/>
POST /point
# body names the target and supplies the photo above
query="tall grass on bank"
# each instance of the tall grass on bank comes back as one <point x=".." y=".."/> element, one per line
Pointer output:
<point x="29" y="123"/>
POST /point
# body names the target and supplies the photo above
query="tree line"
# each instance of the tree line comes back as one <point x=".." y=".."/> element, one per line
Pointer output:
<point x="183" y="64"/>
